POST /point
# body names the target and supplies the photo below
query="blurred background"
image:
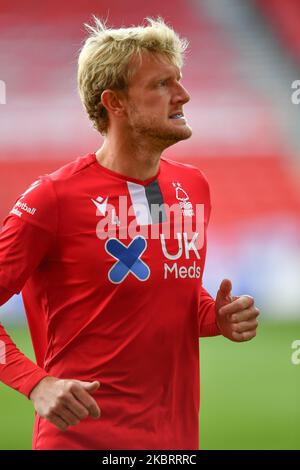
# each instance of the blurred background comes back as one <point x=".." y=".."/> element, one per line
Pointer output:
<point x="242" y="64"/>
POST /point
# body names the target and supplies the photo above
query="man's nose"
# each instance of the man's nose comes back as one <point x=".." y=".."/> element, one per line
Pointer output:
<point x="182" y="95"/>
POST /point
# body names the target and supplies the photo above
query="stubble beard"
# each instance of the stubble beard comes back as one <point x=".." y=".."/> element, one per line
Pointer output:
<point x="160" y="136"/>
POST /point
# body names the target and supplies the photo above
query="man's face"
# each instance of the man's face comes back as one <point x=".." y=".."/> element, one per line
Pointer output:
<point x="155" y="101"/>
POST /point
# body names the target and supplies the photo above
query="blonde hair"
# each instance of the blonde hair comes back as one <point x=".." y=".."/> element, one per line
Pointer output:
<point x="104" y="60"/>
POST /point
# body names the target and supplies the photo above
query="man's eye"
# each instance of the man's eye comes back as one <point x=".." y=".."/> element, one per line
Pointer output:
<point x="162" y="83"/>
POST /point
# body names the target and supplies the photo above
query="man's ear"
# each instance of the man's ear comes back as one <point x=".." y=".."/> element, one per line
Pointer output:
<point x="113" y="102"/>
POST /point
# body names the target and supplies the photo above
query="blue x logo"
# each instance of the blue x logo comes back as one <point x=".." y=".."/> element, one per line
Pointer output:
<point x="128" y="259"/>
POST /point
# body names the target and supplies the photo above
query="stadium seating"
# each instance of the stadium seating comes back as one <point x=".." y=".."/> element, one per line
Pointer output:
<point x="284" y="16"/>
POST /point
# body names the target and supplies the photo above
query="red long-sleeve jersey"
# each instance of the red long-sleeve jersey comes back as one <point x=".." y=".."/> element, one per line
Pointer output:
<point x="110" y="270"/>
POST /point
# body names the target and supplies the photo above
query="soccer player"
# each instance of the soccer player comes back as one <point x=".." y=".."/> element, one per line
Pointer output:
<point x="113" y="288"/>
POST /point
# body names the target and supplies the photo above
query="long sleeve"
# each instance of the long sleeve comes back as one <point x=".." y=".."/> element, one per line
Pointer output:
<point x="23" y="245"/>
<point x="16" y="370"/>
<point x="207" y="315"/>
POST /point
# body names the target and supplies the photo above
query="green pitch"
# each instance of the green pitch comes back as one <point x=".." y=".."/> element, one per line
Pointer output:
<point x="250" y="393"/>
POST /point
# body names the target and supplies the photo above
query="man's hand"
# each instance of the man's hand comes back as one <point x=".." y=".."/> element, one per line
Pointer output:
<point x="65" y="402"/>
<point x="236" y="316"/>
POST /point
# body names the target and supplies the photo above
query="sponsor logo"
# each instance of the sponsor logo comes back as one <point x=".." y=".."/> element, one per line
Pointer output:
<point x="186" y="249"/>
<point x="183" y="243"/>
<point x="16" y="212"/>
<point x="179" y="229"/>
<point x="184" y="200"/>
<point x="22" y="206"/>
<point x="101" y="204"/>
<point x="192" y="271"/>
<point x="105" y="209"/>
<point x="128" y="259"/>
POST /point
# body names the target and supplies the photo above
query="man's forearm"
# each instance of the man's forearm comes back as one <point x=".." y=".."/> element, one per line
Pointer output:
<point x="16" y="370"/>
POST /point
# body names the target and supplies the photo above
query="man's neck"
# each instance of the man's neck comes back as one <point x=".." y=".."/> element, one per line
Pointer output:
<point x="134" y="161"/>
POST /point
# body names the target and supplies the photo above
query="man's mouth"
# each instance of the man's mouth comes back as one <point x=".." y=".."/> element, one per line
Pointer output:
<point x="176" y="116"/>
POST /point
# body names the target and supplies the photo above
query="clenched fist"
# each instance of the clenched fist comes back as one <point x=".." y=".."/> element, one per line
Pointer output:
<point x="236" y="316"/>
<point x="65" y="402"/>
